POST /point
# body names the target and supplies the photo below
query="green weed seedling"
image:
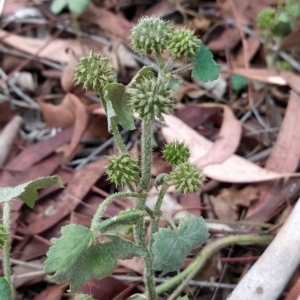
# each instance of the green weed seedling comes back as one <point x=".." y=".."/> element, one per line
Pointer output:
<point x="82" y="252"/>
<point x="275" y="24"/>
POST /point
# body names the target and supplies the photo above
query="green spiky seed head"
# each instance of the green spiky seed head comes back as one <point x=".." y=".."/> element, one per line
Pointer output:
<point x="267" y="19"/>
<point x="3" y="236"/>
<point x="151" y="98"/>
<point x="94" y="72"/>
<point x="176" y="153"/>
<point x="184" y="43"/>
<point x="187" y="178"/>
<point x="83" y="297"/>
<point x="122" y="169"/>
<point x="150" y="34"/>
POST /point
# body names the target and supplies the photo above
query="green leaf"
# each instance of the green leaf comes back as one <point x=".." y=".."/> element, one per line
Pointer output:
<point x="3" y="236"/>
<point x="78" y="255"/>
<point x="205" y="68"/>
<point x="173" y="82"/>
<point x="171" y="247"/>
<point x="116" y="94"/>
<point x="5" y="291"/>
<point x="238" y="82"/>
<point x="27" y="192"/>
<point x="58" y="5"/>
<point x="145" y="72"/>
<point x="76" y="7"/>
<point x="128" y="217"/>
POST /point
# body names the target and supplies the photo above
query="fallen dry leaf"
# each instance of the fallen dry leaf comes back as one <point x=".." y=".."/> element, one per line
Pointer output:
<point x="227" y="140"/>
<point x="284" y="157"/>
<point x="227" y="202"/>
<point x="235" y="169"/>
<point x="271" y="77"/>
<point x="229" y="39"/>
<point x="253" y="46"/>
<point x="70" y="111"/>
<point x="56" y="50"/>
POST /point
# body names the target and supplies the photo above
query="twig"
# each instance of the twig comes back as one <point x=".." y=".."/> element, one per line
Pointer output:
<point x="270" y="274"/>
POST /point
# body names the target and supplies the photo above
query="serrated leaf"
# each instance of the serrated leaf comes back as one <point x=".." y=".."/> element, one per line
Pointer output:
<point x="205" y="68"/>
<point x="27" y="192"/>
<point x="145" y="72"/>
<point x="5" y="290"/>
<point x="171" y="247"/>
<point x="115" y="93"/>
<point x="78" y="255"/>
<point x="238" y="82"/>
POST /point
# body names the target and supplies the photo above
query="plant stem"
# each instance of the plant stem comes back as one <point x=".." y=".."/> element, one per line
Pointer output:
<point x="160" y="198"/>
<point x="204" y="256"/>
<point x="118" y="137"/>
<point x="160" y="60"/>
<point x="6" y="246"/>
<point x="102" y="207"/>
<point x="114" y="128"/>
<point x="146" y="161"/>
<point x="139" y="229"/>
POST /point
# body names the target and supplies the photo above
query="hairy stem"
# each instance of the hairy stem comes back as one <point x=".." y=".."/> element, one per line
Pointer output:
<point x="102" y="207"/>
<point x="139" y="229"/>
<point x="6" y="246"/>
<point x="204" y="256"/>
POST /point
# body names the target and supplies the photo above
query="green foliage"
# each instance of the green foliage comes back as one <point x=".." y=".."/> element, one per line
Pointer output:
<point x="183" y="43"/>
<point x="81" y="253"/>
<point x="5" y="291"/>
<point x="205" y="68"/>
<point x="151" y="34"/>
<point x="170" y="247"/>
<point x="176" y="153"/>
<point x="78" y="255"/>
<point x="83" y="297"/>
<point x="173" y="82"/>
<point x="183" y="298"/>
<point x="187" y="177"/>
<point x="283" y="65"/>
<point x="76" y="7"/>
<point x="116" y="94"/>
<point x="238" y="82"/>
<point x="122" y="169"/>
<point x="27" y="192"/>
<point x="3" y="236"/>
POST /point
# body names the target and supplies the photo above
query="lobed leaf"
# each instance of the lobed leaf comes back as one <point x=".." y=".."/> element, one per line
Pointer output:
<point x="171" y="247"/>
<point x="5" y="291"/>
<point x="27" y="192"/>
<point x="78" y="255"/>
<point x="205" y="68"/>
